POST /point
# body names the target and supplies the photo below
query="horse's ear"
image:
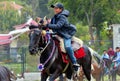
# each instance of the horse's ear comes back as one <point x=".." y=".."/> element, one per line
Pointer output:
<point x="45" y="18"/>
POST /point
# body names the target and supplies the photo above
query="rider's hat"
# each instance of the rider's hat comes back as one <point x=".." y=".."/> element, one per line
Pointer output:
<point x="58" y="5"/>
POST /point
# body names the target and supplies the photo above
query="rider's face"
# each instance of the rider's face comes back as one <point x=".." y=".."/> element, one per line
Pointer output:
<point x="57" y="10"/>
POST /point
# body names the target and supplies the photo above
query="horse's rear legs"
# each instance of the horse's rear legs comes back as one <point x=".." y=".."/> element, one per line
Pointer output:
<point x="87" y="72"/>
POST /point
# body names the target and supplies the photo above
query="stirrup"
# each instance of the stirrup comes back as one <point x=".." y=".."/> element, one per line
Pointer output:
<point x="76" y="65"/>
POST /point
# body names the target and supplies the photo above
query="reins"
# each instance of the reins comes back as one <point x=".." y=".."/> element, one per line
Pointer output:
<point x="45" y="46"/>
<point x="51" y="54"/>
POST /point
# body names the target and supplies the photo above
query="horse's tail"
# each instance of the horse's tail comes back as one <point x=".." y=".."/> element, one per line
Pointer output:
<point x="95" y="56"/>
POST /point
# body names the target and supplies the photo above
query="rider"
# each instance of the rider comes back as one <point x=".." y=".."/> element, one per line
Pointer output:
<point x="105" y="57"/>
<point x="116" y="59"/>
<point x="58" y="24"/>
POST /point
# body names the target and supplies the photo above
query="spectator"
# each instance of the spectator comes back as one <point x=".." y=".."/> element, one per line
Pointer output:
<point x="111" y="52"/>
<point x="116" y="58"/>
<point x="105" y="58"/>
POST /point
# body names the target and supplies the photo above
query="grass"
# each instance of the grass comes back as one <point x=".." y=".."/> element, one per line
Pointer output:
<point x="106" y="78"/>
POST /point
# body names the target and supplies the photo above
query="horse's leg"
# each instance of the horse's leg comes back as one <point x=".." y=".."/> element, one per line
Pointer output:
<point x="102" y="75"/>
<point x="92" y="79"/>
<point x="55" y="75"/>
<point x="109" y="77"/>
<point x="68" y="73"/>
<point x="87" y="70"/>
<point x="44" y="76"/>
<point x="113" y="76"/>
<point x="61" y="78"/>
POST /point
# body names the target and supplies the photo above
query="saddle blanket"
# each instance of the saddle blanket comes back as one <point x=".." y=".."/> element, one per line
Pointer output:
<point x="77" y="46"/>
<point x="80" y="53"/>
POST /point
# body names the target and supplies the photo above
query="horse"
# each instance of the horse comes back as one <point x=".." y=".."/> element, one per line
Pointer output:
<point x="100" y="66"/>
<point x="114" y="72"/>
<point x="51" y="63"/>
<point x="106" y="65"/>
<point x="6" y="74"/>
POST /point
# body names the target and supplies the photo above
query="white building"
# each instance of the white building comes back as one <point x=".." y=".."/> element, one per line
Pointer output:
<point x="116" y="35"/>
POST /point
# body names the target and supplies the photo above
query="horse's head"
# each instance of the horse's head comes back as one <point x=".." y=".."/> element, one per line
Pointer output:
<point x="34" y="40"/>
<point x="36" y="37"/>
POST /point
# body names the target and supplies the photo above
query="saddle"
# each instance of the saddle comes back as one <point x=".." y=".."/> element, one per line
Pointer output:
<point x="77" y="46"/>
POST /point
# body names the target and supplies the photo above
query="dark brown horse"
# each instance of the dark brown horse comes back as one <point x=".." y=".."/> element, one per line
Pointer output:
<point x="6" y="75"/>
<point x="51" y="62"/>
<point x="114" y="72"/>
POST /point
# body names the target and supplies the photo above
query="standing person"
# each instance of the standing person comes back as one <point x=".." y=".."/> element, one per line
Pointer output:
<point x="116" y="58"/>
<point x="111" y="52"/>
<point x="59" y="24"/>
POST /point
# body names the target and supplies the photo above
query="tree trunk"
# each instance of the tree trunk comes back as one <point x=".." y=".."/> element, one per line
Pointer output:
<point x="91" y="35"/>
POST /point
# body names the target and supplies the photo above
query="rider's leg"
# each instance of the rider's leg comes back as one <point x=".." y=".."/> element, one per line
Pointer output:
<point x="70" y="52"/>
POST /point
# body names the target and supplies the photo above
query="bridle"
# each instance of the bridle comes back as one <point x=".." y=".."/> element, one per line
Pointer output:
<point x="41" y="50"/>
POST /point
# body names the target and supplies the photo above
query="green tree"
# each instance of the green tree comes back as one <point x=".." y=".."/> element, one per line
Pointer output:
<point x="10" y="17"/>
<point x="38" y="7"/>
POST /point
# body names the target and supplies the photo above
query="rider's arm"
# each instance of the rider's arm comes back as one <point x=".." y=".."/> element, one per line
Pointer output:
<point x="59" y="24"/>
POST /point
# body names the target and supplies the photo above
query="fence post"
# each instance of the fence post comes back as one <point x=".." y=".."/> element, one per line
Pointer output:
<point x="23" y="54"/>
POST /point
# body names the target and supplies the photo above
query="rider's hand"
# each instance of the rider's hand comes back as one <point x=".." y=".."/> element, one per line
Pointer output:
<point x="45" y="23"/>
<point x="38" y="19"/>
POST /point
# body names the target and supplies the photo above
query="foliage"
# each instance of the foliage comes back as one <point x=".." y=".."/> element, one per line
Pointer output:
<point x="82" y="32"/>
<point x="10" y="17"/>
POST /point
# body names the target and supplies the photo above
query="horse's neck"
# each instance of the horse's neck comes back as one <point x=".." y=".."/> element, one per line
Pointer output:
<point x="47" y="52"/>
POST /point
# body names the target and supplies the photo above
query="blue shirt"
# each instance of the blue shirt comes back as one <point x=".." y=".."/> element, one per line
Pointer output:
<point x="118" y="57"/>
<point x="105" y="56"/>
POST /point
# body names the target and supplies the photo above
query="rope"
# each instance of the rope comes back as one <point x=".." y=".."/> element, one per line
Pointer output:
<point x="16" y="36"/>
<point x="50" y="54"/>
<point x="66" y="67"/>
<point x="43" y="49"/>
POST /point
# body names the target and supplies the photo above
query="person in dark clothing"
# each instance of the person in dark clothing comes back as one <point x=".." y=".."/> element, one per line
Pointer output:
<point x="111" y="53"/>
<point x="116" y="58"/>
<point x="59" y="24"/>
